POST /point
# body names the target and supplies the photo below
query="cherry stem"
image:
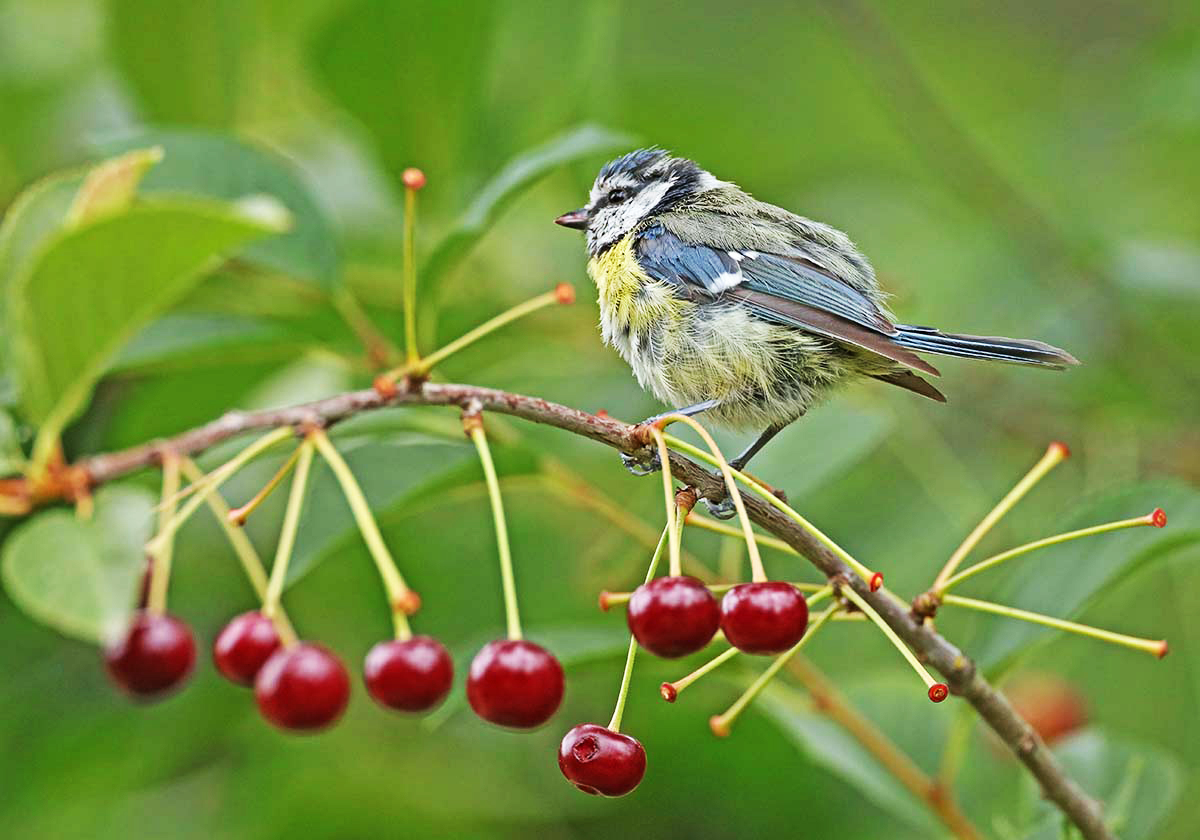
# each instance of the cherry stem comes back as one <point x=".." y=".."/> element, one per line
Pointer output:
<point x="757" y="573"/>
<point x="239" y="515"/>
<point x="200" y="490"/>
<point x="729" y="531"/>
<point x="869" y="611"/>
<point x="777" y="503"/>
<point x="409" y="294"/>
<point x="160" y="564"/>
<point x="611" y="598"/>
<point x="1152" y="519"/>
<point x="721" y="724"/>
<point x="287" y="534"/>
<point x="675" y="534"/>
<point x="654" y="558"/>
<point x="474" y="426"/>
<point x="244" y="549"/>
<point x="1157" y="648"/>
<point x="1056" y="453"/>
<point x="421" y="367"/>
<point x="401" y="600"/>
<point x="671" y="690"/>
<point x="623" y="693"/>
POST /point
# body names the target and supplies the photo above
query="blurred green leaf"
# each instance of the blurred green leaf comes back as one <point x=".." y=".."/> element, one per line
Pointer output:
<point x="1063" y="579"/>
<point x="516" y="176"/>
<point x="74" y="304"/>
<point x="110" y="187"/>
<point x="81" y="578"/>
<point x="832" y="747"/>
<point x="1137" y="782"/>
<point x="224" y="167"/>
<point x="11" y="457"/>
<point x="190" y="69"/>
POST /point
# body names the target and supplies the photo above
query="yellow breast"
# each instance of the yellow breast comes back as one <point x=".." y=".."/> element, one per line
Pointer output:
<point x="630" y="300"/>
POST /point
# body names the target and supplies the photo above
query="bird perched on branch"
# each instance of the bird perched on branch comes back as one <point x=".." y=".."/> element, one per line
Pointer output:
<point x="736" y="308"/>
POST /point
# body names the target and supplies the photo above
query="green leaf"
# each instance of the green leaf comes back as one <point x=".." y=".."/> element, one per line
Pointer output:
<point x="87" y="291"/>
<point x="111" y="186"/>
<point x="11" y="458"/>
<point x="516" y="176"/>
<point x="81" y="578"/>
<point x="1062" y="580"/>
<point x="832" y="747"/>
<point x="224" y="167"/>
<point x="1138" y="784"/>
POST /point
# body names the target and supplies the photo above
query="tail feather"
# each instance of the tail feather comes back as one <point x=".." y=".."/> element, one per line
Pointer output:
<point x="1017" y="351"/>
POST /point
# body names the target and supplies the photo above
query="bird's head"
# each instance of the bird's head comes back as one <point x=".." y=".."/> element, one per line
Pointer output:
<point x="632" y="188"/>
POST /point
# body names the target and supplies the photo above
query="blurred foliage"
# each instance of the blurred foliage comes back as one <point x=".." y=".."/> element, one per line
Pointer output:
<point x="1025" y="170"/>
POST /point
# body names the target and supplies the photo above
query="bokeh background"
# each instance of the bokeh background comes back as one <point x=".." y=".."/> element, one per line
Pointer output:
<point x="1024" y="169"/>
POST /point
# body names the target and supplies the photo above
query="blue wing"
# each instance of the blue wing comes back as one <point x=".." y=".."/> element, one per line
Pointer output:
<point x="791" y="291"/>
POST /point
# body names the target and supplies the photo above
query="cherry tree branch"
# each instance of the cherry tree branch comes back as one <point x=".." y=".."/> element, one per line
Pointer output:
<point x="957" y="670"/>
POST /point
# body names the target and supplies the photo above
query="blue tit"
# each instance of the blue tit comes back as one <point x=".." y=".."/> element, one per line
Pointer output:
<point x="736" y="308"/>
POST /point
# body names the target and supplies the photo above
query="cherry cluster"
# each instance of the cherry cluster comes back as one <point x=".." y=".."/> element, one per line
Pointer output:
<point x="306" y="687"/>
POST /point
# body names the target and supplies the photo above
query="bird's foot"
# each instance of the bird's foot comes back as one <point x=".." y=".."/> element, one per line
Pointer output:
<point x="723" y="507"/>
<point x="643" y="462"/>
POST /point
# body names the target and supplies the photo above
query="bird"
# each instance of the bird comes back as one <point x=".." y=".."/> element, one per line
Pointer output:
<point x="742" y="311"/>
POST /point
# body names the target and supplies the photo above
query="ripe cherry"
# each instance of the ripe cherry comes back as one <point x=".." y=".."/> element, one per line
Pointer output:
<point x="515" y="683"/>
<point x="765" y="617"/>
<point x="673" y="616"/>
<point x="411" y="676"/>
<point x="303" y="687"/>
<point x="155" y="655"/>
<point x="244" y="645"/>
<point x="601" y="762"/>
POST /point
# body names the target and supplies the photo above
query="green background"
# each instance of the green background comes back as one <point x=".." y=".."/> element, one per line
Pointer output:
<point x="1028" y="170"/>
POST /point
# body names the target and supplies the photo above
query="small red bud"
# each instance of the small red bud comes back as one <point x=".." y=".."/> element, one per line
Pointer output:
<point x="408" y="602"/>
<point x="1158" y="518"/>
<point x="385" y="386"/>
<point x="1062" y="449"/>
<point x="718" y="726"/>
<point x="1163" y="650"/>
<point x="602" y="412"/>
<point x="564" y="293"/>
<point x="876" y="581"/>
<point x="668" y="692"/>
<point x="413" y="178"/>
<point x="938" y="692"/>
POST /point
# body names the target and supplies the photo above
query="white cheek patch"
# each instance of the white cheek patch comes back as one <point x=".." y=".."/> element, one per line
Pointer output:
<point x="612" y="223"/>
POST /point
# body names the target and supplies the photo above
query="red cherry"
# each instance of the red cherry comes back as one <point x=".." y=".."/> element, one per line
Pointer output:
<point x="764" y="617"/>
<point x="247" y="641"/>
<point x="673" y="616"/>
<point x="155" y="655"/>
<point x="1053" y="706"/>
<point x="303" y="687"/>
<point x="411" y="676"/>
<point x="601" y="762"/>
<point x="515" y="683"/>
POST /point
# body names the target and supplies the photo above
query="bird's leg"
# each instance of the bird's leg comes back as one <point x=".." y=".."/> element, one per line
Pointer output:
<point x="722" y="507"/>
<point x="646" y="461"/>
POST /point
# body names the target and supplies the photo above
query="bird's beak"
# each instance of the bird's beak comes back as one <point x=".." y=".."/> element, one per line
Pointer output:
<point x="575" y="219"/>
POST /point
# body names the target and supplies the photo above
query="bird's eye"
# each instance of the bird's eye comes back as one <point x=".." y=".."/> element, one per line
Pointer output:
<point x="617" y="195"/>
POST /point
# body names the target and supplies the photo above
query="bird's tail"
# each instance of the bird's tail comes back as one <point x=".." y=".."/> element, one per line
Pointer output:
<point x="1018" y="351"/>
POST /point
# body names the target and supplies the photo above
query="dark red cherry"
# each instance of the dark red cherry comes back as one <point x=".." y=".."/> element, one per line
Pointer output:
<point x="601" y="762"/>
<point x="155" y="655"/>
<point x="411" y="676"/>
<point x="304" y="687"/>
<point x="673" y="616"/>
<point x="764" y="617"/>
<point x="244" y="645"/>
<point x="515" y="683"/>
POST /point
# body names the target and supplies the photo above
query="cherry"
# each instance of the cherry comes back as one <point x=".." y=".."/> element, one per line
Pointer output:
<point x="764" y="617"/>
<point x="155" y="655"/>
<point x="244" y="645"/>
<point x="673" y="616"/>
<point x="1052" y="706"/>
<point x="601" y="762"/>
<point x="515" y="683"/>
<point x="411" y="676"/>
<point x="303" y="687"/>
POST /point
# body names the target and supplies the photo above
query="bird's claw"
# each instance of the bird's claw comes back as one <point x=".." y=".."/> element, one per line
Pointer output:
<point x="721" y="508"/>
<point x="643" y="462"/>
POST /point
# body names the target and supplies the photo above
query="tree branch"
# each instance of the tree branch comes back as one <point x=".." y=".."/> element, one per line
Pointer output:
<point x="958" y="671"/>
